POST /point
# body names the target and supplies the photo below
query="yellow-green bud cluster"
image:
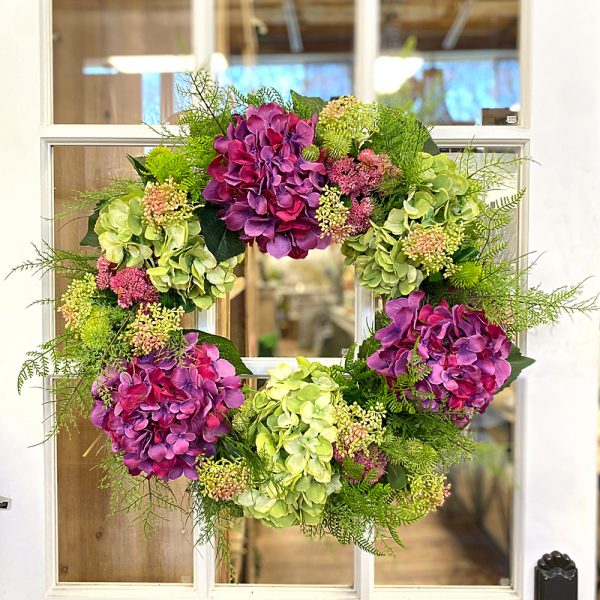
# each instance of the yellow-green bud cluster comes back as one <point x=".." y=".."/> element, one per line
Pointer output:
<point x="223" y="480"/>
<point x="76" y="304"/>
<point x="332" y="214"/>
<point x="429" y="491"/>
<point x="165" y="204"/>
<point x="311" y="153"/>
<point x="358" y="428"/>
<point x="152" y="327"/>
<point x="97" y="332"/>
<point x="346" y="115"/>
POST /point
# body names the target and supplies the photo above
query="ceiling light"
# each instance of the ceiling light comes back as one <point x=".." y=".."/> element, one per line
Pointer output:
<point x="391" y="72"/>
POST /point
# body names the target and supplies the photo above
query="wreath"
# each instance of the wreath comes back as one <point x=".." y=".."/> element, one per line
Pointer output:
<point x="354" y="450"/>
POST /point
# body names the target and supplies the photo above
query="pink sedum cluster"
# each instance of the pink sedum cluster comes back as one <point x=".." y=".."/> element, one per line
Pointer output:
<point x="373" y="461"/>
<point x="467" y="354"/>
<point x="163" y="415"/>
<point x="267" y="190"/>
<point x="360" y="177"/>
<point x="132" y="285"/>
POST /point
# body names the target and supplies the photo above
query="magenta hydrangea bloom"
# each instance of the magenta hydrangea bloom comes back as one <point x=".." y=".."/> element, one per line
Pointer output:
<point x="133" y="286"/>
<point x="164" y="415"/>
<point x="466" y="353"/>
<point x="268" y="191"/>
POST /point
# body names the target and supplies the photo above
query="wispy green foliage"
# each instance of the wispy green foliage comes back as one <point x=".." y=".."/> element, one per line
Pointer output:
<point x="148" y="500"/>
<point x="61" y="262"/>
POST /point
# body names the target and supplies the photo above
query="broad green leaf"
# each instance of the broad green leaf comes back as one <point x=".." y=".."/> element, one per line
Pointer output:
<point x="91" y="237"/>
<point x="221" y="242"/>
<point x="396" y="476"/>
<point x="518" y="362"/>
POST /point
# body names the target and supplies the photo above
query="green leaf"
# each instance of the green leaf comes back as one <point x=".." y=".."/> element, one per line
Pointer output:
<point x="303" y="105"/>
<point x="396" y="476"/>
<point x="221" y="242"/>
<point x="172" y="299"/>
<point x="465" y="254"/>
<point x="227" y="350"/>
<point x="430" y="146"/>
<point x="139" y="164"/>
<point x="518" y="362"/>
<point x="91" y="237"/>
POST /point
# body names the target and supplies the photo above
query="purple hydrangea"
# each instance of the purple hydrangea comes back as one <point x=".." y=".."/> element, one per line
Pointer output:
<point x="467" y="354"/>
<point x="164" y="414"/>
<point x="268" y="191"/>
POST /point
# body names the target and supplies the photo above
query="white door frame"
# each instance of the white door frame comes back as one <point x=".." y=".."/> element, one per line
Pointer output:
<point x="556" y="416"/>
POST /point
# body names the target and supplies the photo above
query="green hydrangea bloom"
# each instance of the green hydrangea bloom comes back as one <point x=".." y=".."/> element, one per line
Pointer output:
<point x="381" y="265"/>
<point x="294" y="431"/>
<point x="442" y="195"/>
<point x="193" y="272"/>
<point x="120" y="230"/>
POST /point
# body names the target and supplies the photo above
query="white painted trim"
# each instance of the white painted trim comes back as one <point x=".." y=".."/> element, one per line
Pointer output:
<point x="458" y="592"/>
<point x="366" y="47"/>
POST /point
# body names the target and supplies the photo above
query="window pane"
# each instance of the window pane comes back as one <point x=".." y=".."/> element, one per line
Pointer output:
<point x="92" y="547"/>
<point x="452" y="61"/>
<point x="116" y="61"/>
<point x="290" y="307"/>
<point x="305" y="46"/>
<point x="263" y="555"/>
<point x="468" y="541"/>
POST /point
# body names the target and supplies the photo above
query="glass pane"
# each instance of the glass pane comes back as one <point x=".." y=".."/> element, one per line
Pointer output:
<point x="116" y="61"/>
<point x="305" y="46"/>
<point x="92" y="547"/>
<point x="452" y="61"/>
<point x="263" y="555"/>
<point x="468" y="541"/>
<point x="290" y="307"/>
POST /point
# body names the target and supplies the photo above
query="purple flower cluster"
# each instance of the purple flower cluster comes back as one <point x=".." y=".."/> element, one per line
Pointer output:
<point x="466" y="354"/>
<point x="268" y="191"/>
<point x="164" y="415"/>
<point x="373" y="462"/>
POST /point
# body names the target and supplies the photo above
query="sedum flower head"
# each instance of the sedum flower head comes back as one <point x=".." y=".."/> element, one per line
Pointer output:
<point x="365" y="465"/>
<point x="165" y="204"/>
<point x="358" y="428"/>
<point x="133" y="286"/>
<point x="432" y="247"/>
<point x="332" y="214"/>
<point x="77" y="304"/>
<point x="359" y="215"/>
<point x="350" y="116"/>
<point x="223" y="480"/>
<point x="105" y="272"/>
<point x="152" y="328"/>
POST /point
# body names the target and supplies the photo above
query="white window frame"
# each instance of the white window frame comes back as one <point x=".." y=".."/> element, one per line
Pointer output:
<point x="537" y="528"/>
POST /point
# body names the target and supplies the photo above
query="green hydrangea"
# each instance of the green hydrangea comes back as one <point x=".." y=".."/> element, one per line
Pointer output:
<point x="194" y="273"/>
<point x="381" y="265"/>
<point x="294" y="431"/>
<point x="442" y="194"/>
<point x="120" y="230"/>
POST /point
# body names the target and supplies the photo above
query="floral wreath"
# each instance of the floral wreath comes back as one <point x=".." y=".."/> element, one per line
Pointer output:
<point x="356" y="450"/>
